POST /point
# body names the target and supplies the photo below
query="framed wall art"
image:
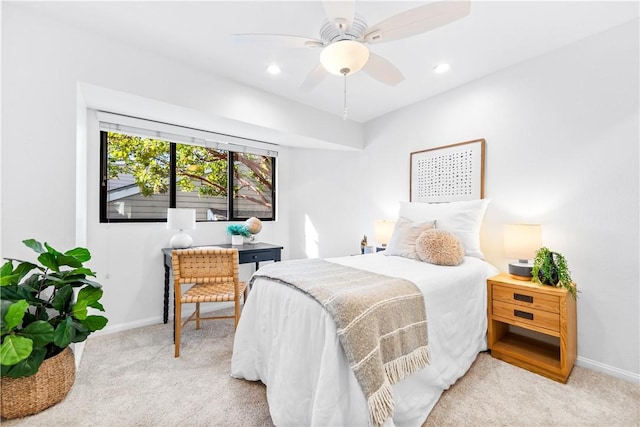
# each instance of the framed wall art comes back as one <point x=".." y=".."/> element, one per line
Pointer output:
<point x="448" y="174"/>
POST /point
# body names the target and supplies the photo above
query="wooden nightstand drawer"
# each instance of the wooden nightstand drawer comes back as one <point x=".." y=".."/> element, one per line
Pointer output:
<point x="526" y="316"/>
<point x="526" y="298"/>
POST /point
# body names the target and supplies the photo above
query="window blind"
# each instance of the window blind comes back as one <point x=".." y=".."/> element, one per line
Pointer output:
<point x="111" y="122"/>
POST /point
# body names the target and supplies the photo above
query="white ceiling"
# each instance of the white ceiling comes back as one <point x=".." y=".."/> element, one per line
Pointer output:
<point x="495" y="35"/>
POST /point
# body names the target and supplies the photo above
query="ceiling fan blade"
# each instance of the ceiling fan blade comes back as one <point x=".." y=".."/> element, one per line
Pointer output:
<point x="280" y="40"/>
<point x="418" y="20"/>
<point x="341" y="13"/>
<point x="314" y="78"/>
<point x="382" y="70"/>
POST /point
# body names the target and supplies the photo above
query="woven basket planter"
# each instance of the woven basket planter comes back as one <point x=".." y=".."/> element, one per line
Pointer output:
<point x="30" y="395"/>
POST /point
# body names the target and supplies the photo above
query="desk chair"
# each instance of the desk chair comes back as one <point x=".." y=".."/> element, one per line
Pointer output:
<point x="213" y="274"/>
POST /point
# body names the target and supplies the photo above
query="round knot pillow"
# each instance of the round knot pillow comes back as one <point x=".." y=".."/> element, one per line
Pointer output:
<point x="439" y="247"/>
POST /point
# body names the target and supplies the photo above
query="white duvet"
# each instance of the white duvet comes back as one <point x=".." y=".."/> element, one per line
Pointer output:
<point x="288" y="341"/>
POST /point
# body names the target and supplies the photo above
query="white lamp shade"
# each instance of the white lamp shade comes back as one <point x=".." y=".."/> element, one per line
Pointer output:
<point x="181" y="219"/>
<point x="344" y="57"/>
<point x="382" y="230"/>
<point x="521" y="241"/>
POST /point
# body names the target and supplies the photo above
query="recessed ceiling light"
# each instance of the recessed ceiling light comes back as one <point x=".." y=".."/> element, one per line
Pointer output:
<point x="441" y="68"/>
<point x="273" y="69"/>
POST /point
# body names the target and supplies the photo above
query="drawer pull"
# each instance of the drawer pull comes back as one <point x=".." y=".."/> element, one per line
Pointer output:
<point x="523" y="298"/>
<point x="523" y="314"/>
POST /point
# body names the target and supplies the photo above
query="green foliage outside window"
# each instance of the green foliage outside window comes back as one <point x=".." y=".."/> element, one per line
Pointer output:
<point x="204" y="166"/>
<point x="200" y="170"/>
<point x="147" y="160"/>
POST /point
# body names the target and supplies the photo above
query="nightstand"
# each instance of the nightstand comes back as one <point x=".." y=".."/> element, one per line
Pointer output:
<point x="532" y="326"/>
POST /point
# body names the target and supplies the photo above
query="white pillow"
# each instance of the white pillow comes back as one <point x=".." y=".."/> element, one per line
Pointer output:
<point x="403" y="238"/>
<point x="463" y="218"/>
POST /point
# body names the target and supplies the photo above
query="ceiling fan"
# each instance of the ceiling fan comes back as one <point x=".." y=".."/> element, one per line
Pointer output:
<point x="344" y="37"/>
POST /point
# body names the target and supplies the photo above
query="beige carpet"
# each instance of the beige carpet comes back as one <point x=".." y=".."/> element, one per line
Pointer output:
<point x="132" y="379"/>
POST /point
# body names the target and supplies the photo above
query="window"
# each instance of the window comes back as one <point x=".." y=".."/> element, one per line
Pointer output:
<point x="141" y="177"/>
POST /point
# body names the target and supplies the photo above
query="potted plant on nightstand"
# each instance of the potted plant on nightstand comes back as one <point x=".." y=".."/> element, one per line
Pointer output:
<point x="550" y="268"/>
<point x="42" y="314"/>
<point x="238" y="233"/>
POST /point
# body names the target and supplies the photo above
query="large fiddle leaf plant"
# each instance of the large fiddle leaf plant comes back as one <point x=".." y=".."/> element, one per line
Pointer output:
<point x="42" y="313"/>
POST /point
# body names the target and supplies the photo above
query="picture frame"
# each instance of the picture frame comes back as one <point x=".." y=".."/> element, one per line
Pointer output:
<point x="448" y="173"/>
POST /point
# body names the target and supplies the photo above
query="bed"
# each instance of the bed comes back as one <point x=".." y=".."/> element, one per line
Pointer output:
<point x="289" y="342"/>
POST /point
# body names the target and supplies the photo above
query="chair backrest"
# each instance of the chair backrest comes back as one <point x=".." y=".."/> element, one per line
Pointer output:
<point x="205" y="265"/>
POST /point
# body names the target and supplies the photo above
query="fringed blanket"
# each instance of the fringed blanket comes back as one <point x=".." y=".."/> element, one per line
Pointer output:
<point x="381" y="322"/>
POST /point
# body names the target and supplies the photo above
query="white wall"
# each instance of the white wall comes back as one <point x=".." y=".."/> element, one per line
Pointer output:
<point x="52" y="75"/>
<point x="561" y="150"/>
<point x="328" y="199"/>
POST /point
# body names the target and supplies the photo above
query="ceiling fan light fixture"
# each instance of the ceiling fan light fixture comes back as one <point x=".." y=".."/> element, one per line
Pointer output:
<point x="344" y="57"/>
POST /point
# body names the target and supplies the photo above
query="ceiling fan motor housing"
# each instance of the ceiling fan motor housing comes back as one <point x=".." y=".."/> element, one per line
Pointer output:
<point x="334" y="31"/>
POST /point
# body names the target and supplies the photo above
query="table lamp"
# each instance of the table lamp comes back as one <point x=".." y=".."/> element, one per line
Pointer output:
<point x="382" y="231"/>
<point x="181" y="219"/>
<point x="521" y="241"/>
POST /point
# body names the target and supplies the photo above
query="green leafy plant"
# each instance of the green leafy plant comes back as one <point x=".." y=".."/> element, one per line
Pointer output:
<point x="44" y="312"/>
<point x="550" y="268"/>
<point x="239" y="229"/>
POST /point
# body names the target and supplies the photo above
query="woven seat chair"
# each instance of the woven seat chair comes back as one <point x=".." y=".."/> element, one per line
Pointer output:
<point x="213" y="274"/>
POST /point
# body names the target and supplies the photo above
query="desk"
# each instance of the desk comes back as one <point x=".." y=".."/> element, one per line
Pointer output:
<point x="247" y="253"/>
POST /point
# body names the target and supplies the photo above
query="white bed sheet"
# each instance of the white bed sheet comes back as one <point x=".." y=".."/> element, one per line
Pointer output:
<point x="289" y="342"/>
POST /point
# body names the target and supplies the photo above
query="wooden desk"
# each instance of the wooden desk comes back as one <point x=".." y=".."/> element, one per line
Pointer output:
<point x="248" y="253"/>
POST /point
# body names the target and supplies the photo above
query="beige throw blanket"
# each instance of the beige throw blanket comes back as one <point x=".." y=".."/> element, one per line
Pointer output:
<point x="381" y="322"/>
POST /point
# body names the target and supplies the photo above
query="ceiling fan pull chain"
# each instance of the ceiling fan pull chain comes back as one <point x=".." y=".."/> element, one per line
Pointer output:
<point x="344" y="114"/>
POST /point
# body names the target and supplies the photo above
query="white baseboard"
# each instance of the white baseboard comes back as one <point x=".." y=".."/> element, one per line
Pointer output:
<point x="130" y="325"/>
<point x="154" y="320"/>
<point x="608" y="369"/>
<point x="78" y="349"/>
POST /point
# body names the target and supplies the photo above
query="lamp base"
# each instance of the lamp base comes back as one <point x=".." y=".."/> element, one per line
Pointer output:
<point x="520" y="270"/>
<point x="181" y="240"/>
